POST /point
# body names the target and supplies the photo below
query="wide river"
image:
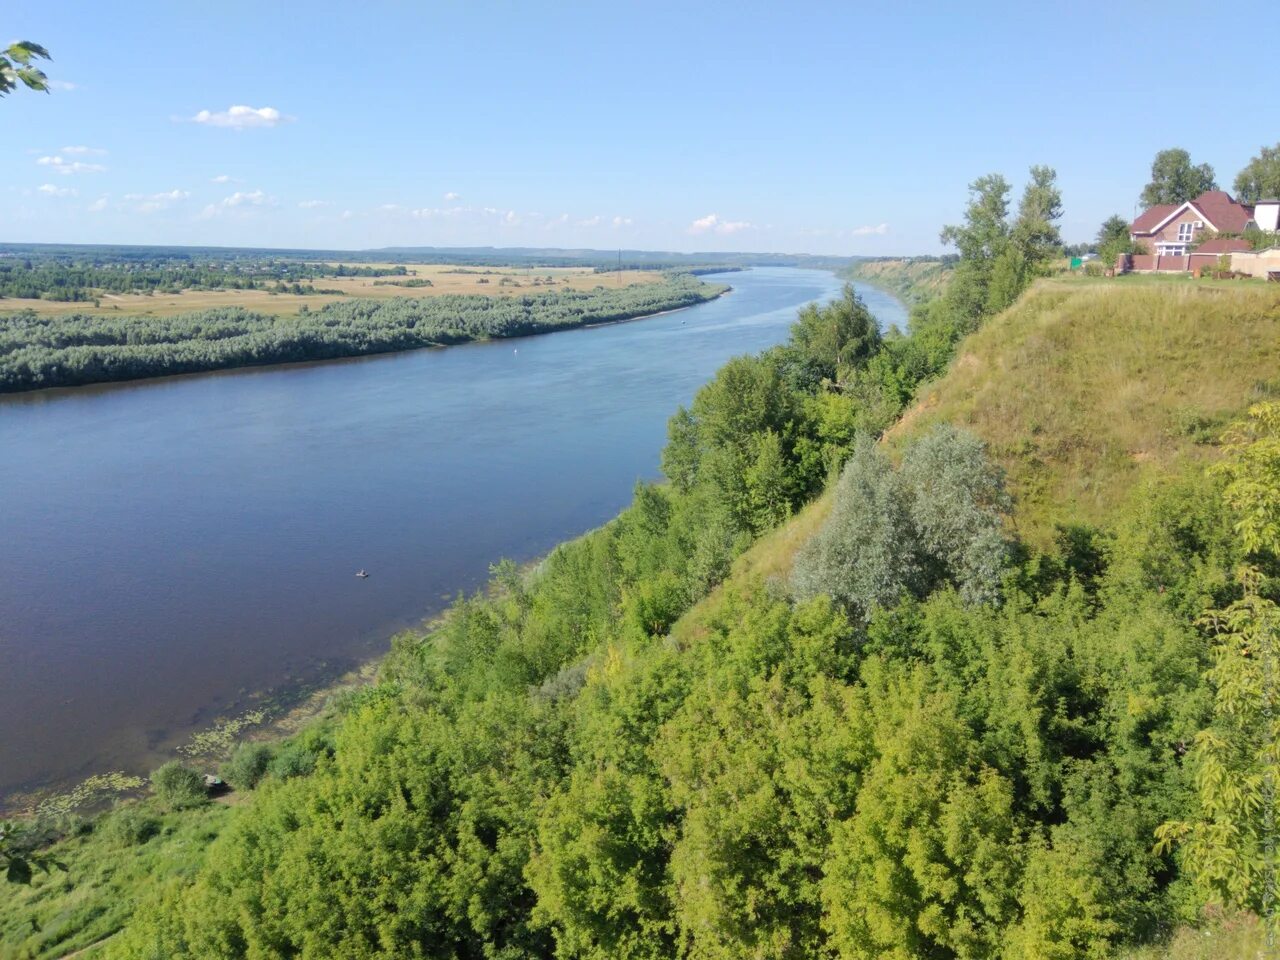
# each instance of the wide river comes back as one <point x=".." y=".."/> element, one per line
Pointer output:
<point x="171" y="549"/>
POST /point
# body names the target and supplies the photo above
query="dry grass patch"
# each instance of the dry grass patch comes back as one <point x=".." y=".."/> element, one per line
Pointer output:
<point x="445" y="279"/>
<point x="1081" y="390"/>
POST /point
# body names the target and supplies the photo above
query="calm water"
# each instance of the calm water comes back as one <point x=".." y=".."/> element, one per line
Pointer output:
<point x="170" y="548"/>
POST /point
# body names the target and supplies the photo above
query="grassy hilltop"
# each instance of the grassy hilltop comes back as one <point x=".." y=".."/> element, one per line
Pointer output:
<point x="1084" y="389"/>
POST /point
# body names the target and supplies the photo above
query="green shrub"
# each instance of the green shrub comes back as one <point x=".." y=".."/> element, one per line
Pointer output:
<point x="297" y="757"/>
<point x="866" y="555"/>
<point x="248" y="765"/>
<point x="177" y="786"/>
<point x="957" y="502"/>
<point x="894" y="533"/>
<point x="130" y="825"/>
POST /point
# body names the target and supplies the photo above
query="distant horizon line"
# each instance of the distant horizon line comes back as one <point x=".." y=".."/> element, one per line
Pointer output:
<point x="489" y="248"/>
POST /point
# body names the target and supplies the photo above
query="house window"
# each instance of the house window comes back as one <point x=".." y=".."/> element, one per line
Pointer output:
<point x="1186" y="232"/>
<point x="1171" y="250"/>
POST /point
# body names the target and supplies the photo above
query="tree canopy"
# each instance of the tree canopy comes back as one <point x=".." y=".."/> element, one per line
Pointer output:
<point x="1174" y="179"/>
<point x="1260" y="178"/>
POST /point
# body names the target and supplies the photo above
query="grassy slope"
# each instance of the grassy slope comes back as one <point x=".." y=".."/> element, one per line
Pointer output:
<point x="103" y="883"/>
<point x="913" y="281"/>
<point x="1084" y="389"/>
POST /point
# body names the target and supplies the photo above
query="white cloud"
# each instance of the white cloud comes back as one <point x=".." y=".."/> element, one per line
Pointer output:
<point x="151" y="202"/>
<point x="347" y="214"/>
<point x="880" y="229"/>
<point x="252" y="198"/>
<point x="591" y="221"/>
<point x="98" y="205"/>
<point x="67" y="167"/>
<point x="241" y="117"/>
<point x="63" y="85"/>
<point x="427" y="213"/>
<point x="85" y="151"/>
<point x="452" y="197"/>
<point x="49" y="190"/>
<point x="511" y="218"/>
<point x="389" y="207"/>
<point x="712" y="222"/>
<point x="622" y="221"/>
<point x="240" y="201"/>
<point x="312" y="204"/>
<point x="224" y="178"/>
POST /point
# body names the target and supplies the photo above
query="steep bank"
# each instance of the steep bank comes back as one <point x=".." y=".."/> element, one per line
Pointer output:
<point x="1085" y="390"/>
<point x="913" y="279"/>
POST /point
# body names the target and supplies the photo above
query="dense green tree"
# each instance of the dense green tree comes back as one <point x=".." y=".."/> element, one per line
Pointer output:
<point x="927" y="865"/>
<point x="827" y="339"/>
<point x="1034" y="240"/>
<point x="902" y="533"/>
<point x="1174" y="179"/>
<point x="1260" y="178"/>
<point x="1113" y="239"/>
<point x="980" y="241"/>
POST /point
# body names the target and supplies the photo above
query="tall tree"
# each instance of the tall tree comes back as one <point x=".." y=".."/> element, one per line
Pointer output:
<point x="1174" y="179"/>
<point x="16" y="67"/>
<point x="1034" y="240"/>
<point x="1260" y="179"/>
<point x="980" y="240"/>
<point x="1114" y="230"/>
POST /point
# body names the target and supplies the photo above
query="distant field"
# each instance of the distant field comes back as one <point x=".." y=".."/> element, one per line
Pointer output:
<point x="445" y="279"/>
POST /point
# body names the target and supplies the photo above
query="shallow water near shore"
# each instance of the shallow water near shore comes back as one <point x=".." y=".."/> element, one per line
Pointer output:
<point x="172" y="547"/>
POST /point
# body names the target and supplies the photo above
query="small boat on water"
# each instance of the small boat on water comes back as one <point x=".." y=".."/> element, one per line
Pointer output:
<point x="362" y="574"/>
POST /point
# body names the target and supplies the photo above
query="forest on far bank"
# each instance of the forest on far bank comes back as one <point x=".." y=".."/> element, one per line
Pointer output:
<point x="38" y="351"/>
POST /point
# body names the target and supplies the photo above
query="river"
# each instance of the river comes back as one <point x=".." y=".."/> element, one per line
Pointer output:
<point x="170" y="549"/>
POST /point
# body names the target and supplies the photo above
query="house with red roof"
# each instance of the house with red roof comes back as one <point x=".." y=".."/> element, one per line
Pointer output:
<point x="1184" y="236"/>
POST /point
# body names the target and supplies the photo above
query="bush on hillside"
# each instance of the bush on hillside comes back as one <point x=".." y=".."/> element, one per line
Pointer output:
<point x="957" y="504"/>
<point x="248" y="765"/>
<point x="867" y="554"/>
<point x="177" y="786"/>
<point x="130" y="825"/>
<point x="897" y="533"/>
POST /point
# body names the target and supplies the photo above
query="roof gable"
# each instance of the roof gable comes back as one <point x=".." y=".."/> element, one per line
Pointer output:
<point x="1215" y="207"/>
<point x="1151" y="218"/>
<point x="1226" y="215"/>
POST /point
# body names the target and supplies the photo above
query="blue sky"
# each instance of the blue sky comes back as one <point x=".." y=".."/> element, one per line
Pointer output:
<point x="843" y="128"/>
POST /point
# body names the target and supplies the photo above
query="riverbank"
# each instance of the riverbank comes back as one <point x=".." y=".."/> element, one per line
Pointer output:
<point x="914" y="280"/>
<point x="39" y="352"/>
